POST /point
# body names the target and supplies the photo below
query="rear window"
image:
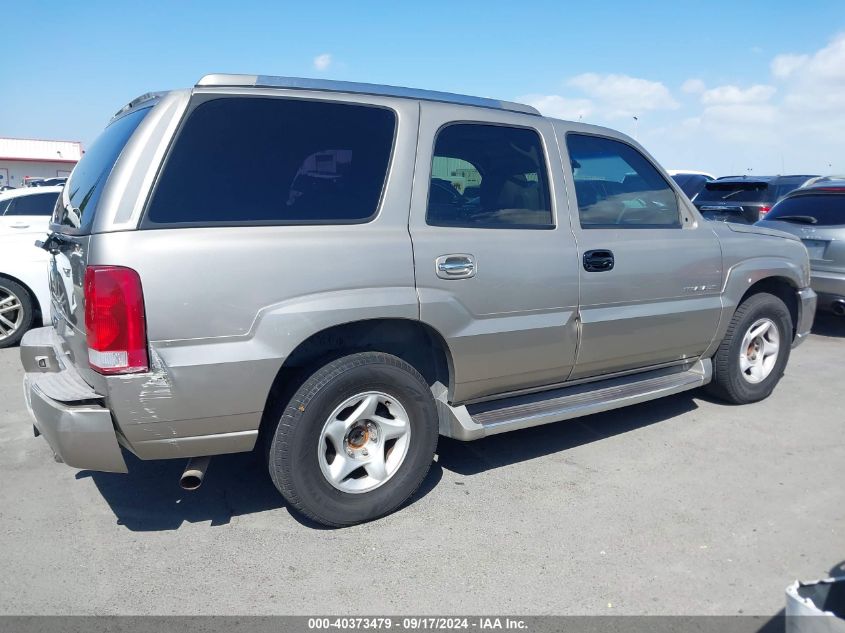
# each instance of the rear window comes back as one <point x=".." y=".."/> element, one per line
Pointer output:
<point x="817" y="210"/>
<point x="716" y="191"/>
<point x="275" y="161"/>
<point x="92" y="171"/>
<point x="38" y="204"/>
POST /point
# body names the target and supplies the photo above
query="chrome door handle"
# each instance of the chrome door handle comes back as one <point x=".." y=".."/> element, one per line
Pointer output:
<point x="458" y="266"/>
<point x="19" y="225"/>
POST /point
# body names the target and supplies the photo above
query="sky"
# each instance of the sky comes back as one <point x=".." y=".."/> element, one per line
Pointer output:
<point x="726" y="87"/>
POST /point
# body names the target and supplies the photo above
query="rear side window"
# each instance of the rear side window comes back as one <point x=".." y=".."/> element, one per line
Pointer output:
<point x="816" y="210"/>
<point x="716" y="191"/>
<point x="618" y="187"/>
<point x="489" y="176"/>
<point x="92" y="171"/>
<point x="275" y="161"/>
<point x="39" y="204"/>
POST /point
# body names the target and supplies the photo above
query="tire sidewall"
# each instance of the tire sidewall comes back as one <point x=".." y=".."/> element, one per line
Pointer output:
<point x="761" y="306"/>
<point x="29" y="313"/>
<point x="308" y="416"/>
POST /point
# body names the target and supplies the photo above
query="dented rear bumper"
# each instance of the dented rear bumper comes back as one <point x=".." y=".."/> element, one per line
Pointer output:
<point x="66" y="410"/>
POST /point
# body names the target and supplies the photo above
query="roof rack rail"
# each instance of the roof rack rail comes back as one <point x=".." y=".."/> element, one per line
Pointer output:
<point x="147" y="96"/>
<point x="301" y="83"/>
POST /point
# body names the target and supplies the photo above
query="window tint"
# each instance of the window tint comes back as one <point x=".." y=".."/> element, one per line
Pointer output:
<point x="617" y="186"/>
<point x="92" y="171"/>
<point x="690" y="184"/>
<point x="489" y="176"/>
<point x="40" y="204"/>
<point x="4" y="204"/>
<point x="717" y="191"/>
<point x="818" y="210"/>
<point x="271" y="161"/>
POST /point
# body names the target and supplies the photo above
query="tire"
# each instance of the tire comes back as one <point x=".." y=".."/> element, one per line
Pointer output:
<point x="742" y="372"/>
<point x="14" y="323"/>
<point x="354" y="410"/>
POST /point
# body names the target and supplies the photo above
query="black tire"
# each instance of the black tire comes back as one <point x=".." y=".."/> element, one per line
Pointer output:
<point x="728" y="383"/>
<point x="27" y="308"/>
<point x="292" y="456"/>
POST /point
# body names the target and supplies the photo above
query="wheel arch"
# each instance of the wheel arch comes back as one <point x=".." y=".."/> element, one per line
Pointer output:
<point x="414" y="341"/>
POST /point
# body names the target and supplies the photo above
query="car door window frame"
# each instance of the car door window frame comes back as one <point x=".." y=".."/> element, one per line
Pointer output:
<point x="552" y="225"/>
<point x="682" y="218"/>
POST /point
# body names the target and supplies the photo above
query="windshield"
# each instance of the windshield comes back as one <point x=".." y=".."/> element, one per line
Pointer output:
<point x="734" y="192"/>
<point x="91" y="173"/>
<point x="819" y="210"/>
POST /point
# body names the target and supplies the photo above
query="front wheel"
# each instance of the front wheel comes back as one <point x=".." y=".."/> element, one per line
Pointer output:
<point x="751" y="358"/>
<point x="356" y="439"/>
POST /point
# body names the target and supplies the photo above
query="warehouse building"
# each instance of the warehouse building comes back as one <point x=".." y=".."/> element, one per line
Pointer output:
<point x="22" y="159"/>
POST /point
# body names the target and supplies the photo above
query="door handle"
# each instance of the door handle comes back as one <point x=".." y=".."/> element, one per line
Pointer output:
<point x="19" y="225"/>
<point x="458" y="266"/>
<point x="598" y="261"/>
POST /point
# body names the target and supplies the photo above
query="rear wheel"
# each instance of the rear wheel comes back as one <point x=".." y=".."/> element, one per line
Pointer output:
<point x="356" y="439"/>
<point x="751" y="358"/>
<point x="16" y="312"/>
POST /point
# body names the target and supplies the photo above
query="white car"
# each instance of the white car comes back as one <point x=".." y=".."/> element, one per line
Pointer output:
<point x="24" y="290"/>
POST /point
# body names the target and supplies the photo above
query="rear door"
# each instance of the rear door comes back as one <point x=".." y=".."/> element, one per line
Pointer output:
<point x="650" y="274"/>
<point x="741" y="202"/>
<point x="494" y="256"/>
<point x="71" y="225"/>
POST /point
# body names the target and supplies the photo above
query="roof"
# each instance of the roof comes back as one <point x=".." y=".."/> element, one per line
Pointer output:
<point x="829" y="185"/>
<point x="31" y="149"/>
<point x="301" y="83"/>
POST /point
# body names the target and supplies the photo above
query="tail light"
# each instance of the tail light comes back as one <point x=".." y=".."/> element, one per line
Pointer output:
<point x="114" y="320"/>
<point x="764" y="211"/>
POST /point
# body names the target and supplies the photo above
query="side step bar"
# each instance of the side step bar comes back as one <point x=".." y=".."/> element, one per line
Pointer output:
<point x="520" y="412"/>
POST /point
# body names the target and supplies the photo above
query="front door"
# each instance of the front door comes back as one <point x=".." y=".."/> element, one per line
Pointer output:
<point x="494" y="255"/>
<point x="650" y="270"/>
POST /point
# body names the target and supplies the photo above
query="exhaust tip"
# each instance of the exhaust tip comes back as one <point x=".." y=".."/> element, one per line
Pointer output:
<point x="190" y="482"/>
<point x="838" y="307"/>
<point x="194" y="473"/>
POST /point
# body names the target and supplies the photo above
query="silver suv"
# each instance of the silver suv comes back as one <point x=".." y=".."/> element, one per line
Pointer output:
<point x="338" y="273"/>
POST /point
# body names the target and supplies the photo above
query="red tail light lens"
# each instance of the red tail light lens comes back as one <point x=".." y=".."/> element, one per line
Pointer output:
<point x="764" y="211"/>
<point x="114" y="320"/>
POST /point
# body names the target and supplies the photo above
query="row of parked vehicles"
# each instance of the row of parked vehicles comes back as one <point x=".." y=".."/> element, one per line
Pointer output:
<point x="352" y="305"/>
<point x="811" y="207"/>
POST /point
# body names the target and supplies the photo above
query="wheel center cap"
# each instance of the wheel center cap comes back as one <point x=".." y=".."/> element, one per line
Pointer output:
<point x="358" y="436"/>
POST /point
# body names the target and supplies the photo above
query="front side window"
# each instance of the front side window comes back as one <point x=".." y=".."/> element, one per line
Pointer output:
<point x="39" y="204"/>
<point x="616" y="186"/>
<point x="489" y="176"/>
<point x="275" y="161"/>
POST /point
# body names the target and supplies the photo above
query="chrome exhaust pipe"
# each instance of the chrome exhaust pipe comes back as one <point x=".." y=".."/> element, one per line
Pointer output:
<point x="192" y="478"/>
<point x="838" y="307"/>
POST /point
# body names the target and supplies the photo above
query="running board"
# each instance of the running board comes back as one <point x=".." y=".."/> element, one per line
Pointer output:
<point x="520" y="412"/>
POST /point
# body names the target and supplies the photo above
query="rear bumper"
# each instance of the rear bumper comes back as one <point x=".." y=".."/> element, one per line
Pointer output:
<point x="829" y="286"/>
<point x="65" y="410"/>
<point x="806" y="314"/>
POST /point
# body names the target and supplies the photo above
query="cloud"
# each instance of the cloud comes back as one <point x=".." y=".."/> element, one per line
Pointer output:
<point x="757" y="93"/>
<point x="693" y="86"/>
<point x="784" y="65"/>
<point x="624" y="96"/>
<point x="322" y="62"/>
<point x="559" y="107"/>
<point x="826" y="64"/>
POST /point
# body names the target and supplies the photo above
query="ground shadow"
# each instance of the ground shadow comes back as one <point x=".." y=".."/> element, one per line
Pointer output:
<point x="149" y="498"/>
<point x="829" y="325"/>
<point x="518" y="446"/>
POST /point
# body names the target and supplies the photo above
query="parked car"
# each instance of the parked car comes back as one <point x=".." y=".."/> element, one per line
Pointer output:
<point x="816" y="214"/>
<point x="345" y="323"/>
<point x="744" y="199"/>
<point x="24" y="292"/>
<point x="690" y="182"/>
